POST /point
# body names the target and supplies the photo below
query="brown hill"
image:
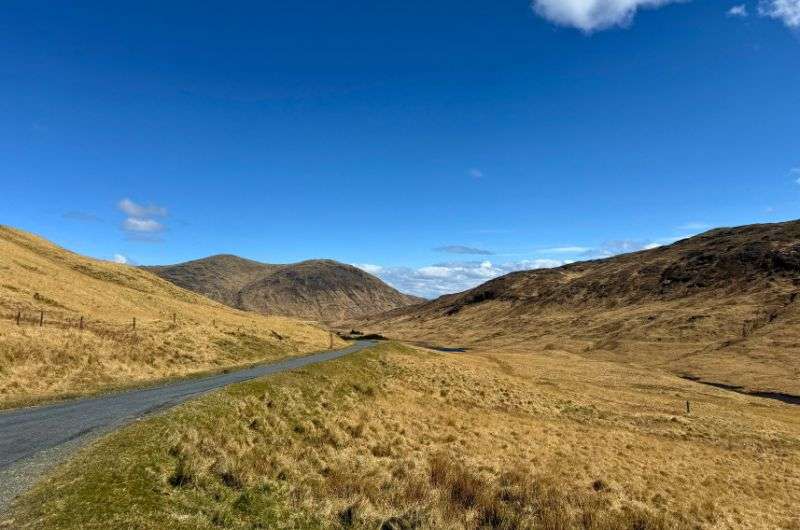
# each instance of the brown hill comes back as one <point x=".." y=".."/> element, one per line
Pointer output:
<point x="721" y="306"/>
<point x="74" y="325"/>
<point x="322" y="290"/>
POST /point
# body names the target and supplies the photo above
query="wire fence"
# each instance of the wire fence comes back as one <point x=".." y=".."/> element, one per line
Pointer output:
<point x="40" y="318"/>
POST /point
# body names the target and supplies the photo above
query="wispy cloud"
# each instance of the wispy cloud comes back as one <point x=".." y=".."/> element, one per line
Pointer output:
<point x="565" y="250"/>
<point x="593" y="15"/>
<point x="146" y="226"/>
<point x="795" y="172"/>
<point x="787" y="11"/>
<point x="694" y="225"/>
<point x="475" y="173"/>
<point x="618" y="246"/>
<point x="120" y="258"/>
<point x="83" y="217"/>
<point x="134" y="209"/>
<point x="461" y="249"/>
<point x="738" y="11"/>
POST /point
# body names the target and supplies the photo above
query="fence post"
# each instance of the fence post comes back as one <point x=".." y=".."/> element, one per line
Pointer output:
<point x="81" y="324"/>
<point x="19" y="314"/>
<point x="41" y="318"/>
<point x="134" y="323"/>
<point x="688" y="407"/>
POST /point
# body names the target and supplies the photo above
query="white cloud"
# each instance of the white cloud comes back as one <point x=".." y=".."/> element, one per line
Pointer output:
<point x="565" y="250"/>
<point x="738" y="11"/>
<point x="133" y="209"/>
<point x="147" y="226"/>
<point x="695" y="225"/>
<point x="592" y="15"/>
<point x="462" y="249"/>
<point x="622" y="246"/>
<point x="787" y="11"/>
<point x="438" y="279"/>
<point x="476" y="173"/>
<point x="119" y="258"/>
<point x="140" y="224"/>
<point x="444" y="278"/>
<point x="368" y="267"/>
<point x="85" y="217"/>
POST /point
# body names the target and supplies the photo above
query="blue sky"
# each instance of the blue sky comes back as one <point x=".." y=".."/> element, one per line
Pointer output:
<point x="437" y="144"/>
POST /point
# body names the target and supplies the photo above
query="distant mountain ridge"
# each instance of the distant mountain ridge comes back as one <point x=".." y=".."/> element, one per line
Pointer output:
<point x="722" y="306"/>
<point x="324" y="290"/>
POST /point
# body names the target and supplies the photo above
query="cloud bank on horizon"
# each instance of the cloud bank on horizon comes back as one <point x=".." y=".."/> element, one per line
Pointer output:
<point x="453" y="277"/>
<point x="595" y="15"/>
<point x="444" y="278"/>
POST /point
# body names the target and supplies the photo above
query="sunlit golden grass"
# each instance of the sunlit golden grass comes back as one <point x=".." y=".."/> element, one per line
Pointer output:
<point x="176" y="332"/>
<point x="718" y="337"/>
<point x="399" y="438"/>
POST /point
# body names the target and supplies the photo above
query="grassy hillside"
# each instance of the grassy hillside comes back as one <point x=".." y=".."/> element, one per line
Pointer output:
<point x="323" y="290"/>
<point x="722" y="306"/>
<point x="176" y="332"/>
<point x="398" y="438"/>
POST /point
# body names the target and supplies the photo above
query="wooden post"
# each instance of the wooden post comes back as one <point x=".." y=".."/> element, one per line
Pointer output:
<point x="688" y="407"/>
<point x="19" y="315"/>
<point x="331" y="337"/>
<point x="81" y="324"/>
<point x="134" y="323"/>
<point x="41" y="318"/>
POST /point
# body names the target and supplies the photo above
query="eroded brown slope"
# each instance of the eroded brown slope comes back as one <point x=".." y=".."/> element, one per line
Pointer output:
<point x="219" y="277"/>
<point x="322" y="290"/>
<point x="721" y="306"/>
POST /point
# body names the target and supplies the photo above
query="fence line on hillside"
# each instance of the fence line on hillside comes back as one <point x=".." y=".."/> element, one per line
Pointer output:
<point x="40" y="318"/>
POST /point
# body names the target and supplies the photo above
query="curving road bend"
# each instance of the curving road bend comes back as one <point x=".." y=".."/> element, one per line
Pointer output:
<point x="32" y="440"/>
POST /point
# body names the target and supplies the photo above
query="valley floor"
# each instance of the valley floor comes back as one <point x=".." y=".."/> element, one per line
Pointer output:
<point x="398" y="437"/>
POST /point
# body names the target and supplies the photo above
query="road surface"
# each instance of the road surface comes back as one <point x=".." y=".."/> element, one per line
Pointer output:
<point x="34" y="439"/>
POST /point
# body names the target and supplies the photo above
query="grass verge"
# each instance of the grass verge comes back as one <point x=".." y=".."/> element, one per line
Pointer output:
<point x="398" y="438"/>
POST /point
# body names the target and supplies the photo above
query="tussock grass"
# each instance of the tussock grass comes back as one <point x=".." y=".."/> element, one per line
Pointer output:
<point x="177" y="332"/>
<point x="370" y="441"/>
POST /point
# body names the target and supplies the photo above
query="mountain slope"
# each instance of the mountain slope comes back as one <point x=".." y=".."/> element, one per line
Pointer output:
<point x="720" y="306"/>
<point x="220" y="277"/>
<point x="176" y="332"/>
<point x="322" y="290"/>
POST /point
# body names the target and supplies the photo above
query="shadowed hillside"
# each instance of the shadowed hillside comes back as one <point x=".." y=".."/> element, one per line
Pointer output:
<point x="720" y="306"/>
<point x="77" y="332"/>
<point x="322" y="290"/>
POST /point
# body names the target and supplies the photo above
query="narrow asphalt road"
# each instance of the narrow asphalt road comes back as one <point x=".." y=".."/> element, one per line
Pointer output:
<point x="34" y="439"/>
